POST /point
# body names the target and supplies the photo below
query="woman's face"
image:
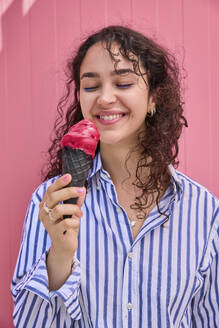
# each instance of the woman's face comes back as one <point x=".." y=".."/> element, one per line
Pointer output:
<point x="117" y="101"/>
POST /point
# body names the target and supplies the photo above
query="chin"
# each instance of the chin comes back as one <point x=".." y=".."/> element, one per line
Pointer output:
<point x="109" y="140"/>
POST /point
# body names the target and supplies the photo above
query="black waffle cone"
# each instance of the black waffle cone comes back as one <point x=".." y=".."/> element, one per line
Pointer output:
<point x="77" y="163"/>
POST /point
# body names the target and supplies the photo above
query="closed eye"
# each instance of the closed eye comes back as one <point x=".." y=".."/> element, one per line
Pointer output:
<point x="120" y="86"/>
<point x="124" y="86"/>
<point x="90" y="89"/>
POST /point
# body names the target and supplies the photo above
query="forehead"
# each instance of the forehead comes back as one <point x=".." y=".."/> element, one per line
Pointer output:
<point x="97" y="57"/>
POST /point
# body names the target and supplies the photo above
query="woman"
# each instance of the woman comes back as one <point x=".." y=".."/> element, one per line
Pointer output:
<point x="146" y="253"/>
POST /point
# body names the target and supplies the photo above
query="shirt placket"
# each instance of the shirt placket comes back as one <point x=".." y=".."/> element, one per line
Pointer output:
<point x="131" y="275"/>
<point x="129" y="292"/>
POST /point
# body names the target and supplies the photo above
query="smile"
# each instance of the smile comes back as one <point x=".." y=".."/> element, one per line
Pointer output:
<point x="110" y="117"/>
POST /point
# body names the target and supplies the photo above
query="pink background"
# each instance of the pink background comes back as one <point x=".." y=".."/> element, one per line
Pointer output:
<point x="36" y="37"/>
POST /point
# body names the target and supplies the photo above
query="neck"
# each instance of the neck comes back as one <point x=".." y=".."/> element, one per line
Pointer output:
<point x="114" y="162"/>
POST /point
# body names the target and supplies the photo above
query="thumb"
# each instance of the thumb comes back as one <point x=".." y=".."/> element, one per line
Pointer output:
<point x="81" y="198"/>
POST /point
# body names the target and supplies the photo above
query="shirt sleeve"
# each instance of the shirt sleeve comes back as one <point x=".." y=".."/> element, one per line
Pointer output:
<point x="34" y="304"/>
<point x="206" y="302"/>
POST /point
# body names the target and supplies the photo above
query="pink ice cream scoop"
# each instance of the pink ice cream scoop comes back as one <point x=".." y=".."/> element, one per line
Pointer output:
<point x="79" y="146"/>
<point x="84" y="136"/>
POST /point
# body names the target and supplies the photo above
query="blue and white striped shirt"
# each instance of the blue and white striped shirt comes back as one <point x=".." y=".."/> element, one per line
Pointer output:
<point x="167" y="277"/>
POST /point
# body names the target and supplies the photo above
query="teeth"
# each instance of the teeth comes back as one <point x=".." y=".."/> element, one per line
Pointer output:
<point x="110" y="117"/>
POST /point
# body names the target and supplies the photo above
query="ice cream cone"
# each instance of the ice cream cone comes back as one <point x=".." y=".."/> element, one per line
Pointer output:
<point x="77" y="163"/>
<point x="79" y="146"/>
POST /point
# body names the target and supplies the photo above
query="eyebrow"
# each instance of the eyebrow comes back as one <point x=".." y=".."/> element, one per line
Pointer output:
<point x="121" y="71"/>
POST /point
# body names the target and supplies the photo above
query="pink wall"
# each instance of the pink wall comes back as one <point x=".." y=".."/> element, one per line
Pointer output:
<point x="35" y="39"/>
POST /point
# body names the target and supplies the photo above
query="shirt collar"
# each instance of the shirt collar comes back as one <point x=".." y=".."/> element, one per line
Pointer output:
<point x="175" y="179"/>
<point x="97" y="165"/>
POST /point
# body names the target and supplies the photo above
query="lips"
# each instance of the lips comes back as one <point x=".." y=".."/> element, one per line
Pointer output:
<point x="109" y="114"/>
<point x="109" y="117"/>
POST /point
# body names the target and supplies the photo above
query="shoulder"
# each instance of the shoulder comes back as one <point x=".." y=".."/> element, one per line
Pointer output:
<point x="196" y="200"/>
<point x="192" y="189"/>
<point x="38" y="194"/>
<point x="202" y="205"/>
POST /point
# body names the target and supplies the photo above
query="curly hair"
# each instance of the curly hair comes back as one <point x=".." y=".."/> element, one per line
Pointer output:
<point x="159" y="144"/>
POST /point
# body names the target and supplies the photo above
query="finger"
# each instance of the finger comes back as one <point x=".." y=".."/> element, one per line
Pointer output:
<point x="60" y="183"/>
<point x="81" y="198"/>
<point x="57" y="185"/>
<point x="72" y="223"/>
<point x="54" y="198"/>
<point x="66" y="209"/>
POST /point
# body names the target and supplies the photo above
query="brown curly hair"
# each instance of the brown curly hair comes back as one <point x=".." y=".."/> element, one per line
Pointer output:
<point x="159" y="145"/>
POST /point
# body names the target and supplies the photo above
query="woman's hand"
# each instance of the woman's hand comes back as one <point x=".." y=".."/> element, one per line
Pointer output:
<point x="63" y="232"/>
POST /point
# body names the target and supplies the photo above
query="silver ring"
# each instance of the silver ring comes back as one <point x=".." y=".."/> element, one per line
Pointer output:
<point x="51" y="217"/>
<point x="49" y="212"/>
<point x="46" y="208"/>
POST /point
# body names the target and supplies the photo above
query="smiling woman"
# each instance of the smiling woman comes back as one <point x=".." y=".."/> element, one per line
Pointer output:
<point x="115" y="99"/>
<point x="140" y="248"/>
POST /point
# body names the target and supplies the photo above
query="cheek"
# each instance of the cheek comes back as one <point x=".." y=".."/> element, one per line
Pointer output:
<point x="85" y="109"/>
<point x="86" y="102"/>
<point x="83" y="104"/>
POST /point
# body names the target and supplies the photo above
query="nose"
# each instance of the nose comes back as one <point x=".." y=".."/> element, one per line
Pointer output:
<point x="107" y="96"/>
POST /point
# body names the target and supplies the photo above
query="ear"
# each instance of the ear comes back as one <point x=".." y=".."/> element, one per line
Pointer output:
<point x="151" y="103"/>
<point x="151" y="107"/>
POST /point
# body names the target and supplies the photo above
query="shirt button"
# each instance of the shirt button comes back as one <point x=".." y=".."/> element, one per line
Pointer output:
<point x="98" y="187"/>
<point x="129" y="306"/>
<point x="118" y="210"/>
<point x="130" y="255"/>
<point x="105" y="176"/>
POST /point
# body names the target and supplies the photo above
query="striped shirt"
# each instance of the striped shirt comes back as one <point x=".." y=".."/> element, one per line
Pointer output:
<point x="167" y="277"/>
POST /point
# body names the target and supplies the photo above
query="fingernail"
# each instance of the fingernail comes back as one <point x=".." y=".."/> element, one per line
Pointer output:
<point x="65" y="177"/>
<point x="80" y="190"/>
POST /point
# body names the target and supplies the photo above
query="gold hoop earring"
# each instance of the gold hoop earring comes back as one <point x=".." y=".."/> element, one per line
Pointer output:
<point x="152" y="112"/>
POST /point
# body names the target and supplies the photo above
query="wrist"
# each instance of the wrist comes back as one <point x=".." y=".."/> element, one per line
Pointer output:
<point x="60" y="257"/>
<point x="59" y="268"/>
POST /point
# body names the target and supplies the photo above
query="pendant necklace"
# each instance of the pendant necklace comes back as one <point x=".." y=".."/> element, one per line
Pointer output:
<point x="132" y="223"/>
